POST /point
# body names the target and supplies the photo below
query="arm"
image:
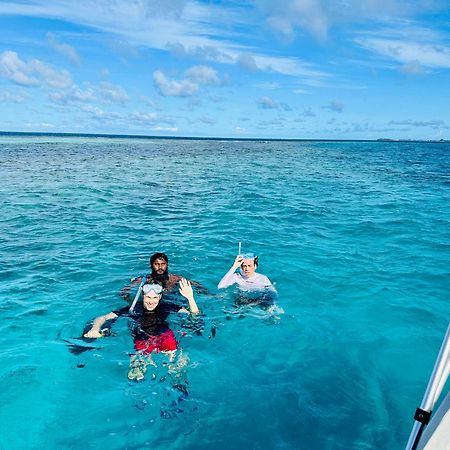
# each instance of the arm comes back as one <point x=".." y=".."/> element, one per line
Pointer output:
<point x="94" y="332"/>
<point x="229" y="278"/>
<point x="187" y="292"/>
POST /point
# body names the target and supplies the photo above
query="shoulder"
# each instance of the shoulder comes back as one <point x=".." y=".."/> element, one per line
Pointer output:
<point x="263" y="279"/>
<point x="261" y="276"/>
<point x="174" y="278"/>
<point x="171" y="282"/>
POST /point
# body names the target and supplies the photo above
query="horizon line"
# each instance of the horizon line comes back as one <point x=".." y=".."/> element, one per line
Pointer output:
<point x="210" y="138"/>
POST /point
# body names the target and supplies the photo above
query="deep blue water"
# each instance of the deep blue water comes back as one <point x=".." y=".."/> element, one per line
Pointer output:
<point x="355" y="236"/>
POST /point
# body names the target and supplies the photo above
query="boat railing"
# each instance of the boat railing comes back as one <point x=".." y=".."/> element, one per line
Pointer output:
<point x="436" y="383"/>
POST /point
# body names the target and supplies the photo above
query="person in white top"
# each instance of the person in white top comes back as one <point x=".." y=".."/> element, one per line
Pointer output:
<point x="247" y="279"/>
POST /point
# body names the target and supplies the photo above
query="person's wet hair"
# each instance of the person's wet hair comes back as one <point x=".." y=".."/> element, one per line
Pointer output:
<point x="158" y="255"/>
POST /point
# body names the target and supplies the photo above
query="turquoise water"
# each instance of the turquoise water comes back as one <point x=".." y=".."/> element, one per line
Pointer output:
<point x="355" y="235"/>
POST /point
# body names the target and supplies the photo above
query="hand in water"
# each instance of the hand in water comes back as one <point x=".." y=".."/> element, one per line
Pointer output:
<point x="93" y="334"/>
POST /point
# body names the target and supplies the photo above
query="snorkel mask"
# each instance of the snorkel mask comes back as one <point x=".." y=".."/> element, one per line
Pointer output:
<point x="250" y="256"/>
<point x="155" y="288"/>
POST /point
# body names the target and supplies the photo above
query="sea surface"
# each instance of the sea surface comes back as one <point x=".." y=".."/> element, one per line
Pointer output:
<point x="354" y="235"/>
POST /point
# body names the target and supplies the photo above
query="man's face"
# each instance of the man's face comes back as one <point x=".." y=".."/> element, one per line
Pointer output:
<point x="151" y="300"/>
<point x="159" y="266"/>
<point x="248" y="267"/>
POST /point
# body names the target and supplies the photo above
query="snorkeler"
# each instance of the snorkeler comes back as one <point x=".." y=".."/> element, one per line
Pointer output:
<point x="151" y="332"/>
<point x="159" y="265"/>
<point x="255" y="288"/>
<point x="247" y="279"/>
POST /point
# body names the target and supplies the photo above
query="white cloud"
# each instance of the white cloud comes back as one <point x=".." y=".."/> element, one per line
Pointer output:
<point x="133" y="120"/>
<point x="99" y="114"/>
<point x="39" y="125"/>
<point x="190" y="85"/>
<point x="166" y="87"/>
<point x="64" y="49"/>
<point x="13" y="96"/>
<point x="33" y="72"/>
<point x="407" y="52"/>
<point x="14" y="69"/>
<point x="164" y="26"/>
<point x="202" y="75"/>
<point x="49" y="76"/>
<point x="105" y="93"/>
<point x="316" y="17"/>
<point x="229" y="53"/>
<point x="436" y="124"/>
<point x="307" y="14"/>
<point x="74" y="95"/>
<point x="144" y="117"/>
<point x="112" y="94"/>
<point x="247" y="62"/>
<point x="206" y="52"/>
<point x="301" y="91"/>
<point x="413" y="68"/>
<point x="288" y="66"/>
<point x="159" y="128"/>
<point x="267" y="103"/>
<point x="334" y="105"/>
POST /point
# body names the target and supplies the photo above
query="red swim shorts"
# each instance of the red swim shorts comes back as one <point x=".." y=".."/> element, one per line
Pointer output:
<point x="161" y="343"/>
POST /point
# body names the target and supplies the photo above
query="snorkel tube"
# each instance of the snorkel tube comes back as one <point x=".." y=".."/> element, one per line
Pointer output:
<point x="138" y="293"/>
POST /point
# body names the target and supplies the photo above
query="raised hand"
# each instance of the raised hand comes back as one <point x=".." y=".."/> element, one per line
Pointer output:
<point x="186" y="288"/>
<point x="237" y="262"/>
<point x="186" y="291"/>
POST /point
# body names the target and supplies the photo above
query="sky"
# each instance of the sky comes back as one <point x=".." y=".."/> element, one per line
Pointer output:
<point x="294" y="69"/>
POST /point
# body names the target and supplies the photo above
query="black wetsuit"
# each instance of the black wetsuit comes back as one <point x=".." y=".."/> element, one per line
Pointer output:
<point x="148" y="323"/>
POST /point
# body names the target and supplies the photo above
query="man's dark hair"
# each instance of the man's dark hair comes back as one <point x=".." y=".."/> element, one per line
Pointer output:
<point x="159" y="255"/>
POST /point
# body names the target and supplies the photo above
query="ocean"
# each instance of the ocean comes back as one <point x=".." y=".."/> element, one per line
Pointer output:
<point x="354" y="235"/>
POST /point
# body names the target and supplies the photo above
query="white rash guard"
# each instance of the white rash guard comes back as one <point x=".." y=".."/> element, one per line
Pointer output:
<point x="257" y="282"/>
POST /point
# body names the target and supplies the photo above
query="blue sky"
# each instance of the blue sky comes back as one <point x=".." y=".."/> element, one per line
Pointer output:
<point x="342" y="69"/>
